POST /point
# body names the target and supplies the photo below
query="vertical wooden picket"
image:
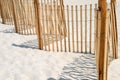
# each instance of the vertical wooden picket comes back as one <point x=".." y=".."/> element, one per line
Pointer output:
<point x="85" y="28"/>
<point x="60" y="19"/>
<point x="72" y="14"/>
<point x="51" y="8"/>
<point x="90" y="28"/>
<point x="77" y="29"/>
<point x="55" y="17"/>
<point x="81" y="25"/>
<point x="43" y="18"/>
<point x="14" y="16"/>
<point x="65" y="31"/>
<point x="68" y="19"/>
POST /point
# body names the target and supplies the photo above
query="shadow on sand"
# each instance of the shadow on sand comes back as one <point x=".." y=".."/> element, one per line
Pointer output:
<point x="29" y="44"/>
<point x="82" y="68"/>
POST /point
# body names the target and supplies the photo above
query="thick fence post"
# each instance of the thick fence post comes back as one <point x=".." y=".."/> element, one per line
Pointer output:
<point x="38" y="24"/>
<point x="103" y="46"/>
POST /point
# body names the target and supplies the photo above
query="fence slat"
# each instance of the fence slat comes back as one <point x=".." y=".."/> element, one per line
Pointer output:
<point x="43" y="16"/>
<point x="59" y="27"/>
<point x="55" y="17"/>
<point x="72" y="14"/>
<point x="77" y="28"/>
<point x="116" y="32"/>
<point x="14" y="16"/>
<point x="68" y="28"/>
<point x="27" y="19"/>
<point x="96" y="40"/>
<point x="85" y="28"/>
<point x="64" y="27"/>
<point x="51" y="8"/>
<point x="81" y="25"/>
<point x="47" y="25"/>
<point x="90" y="27"/>
<point x="57" y="24"/>
<point x="31" y="22"/>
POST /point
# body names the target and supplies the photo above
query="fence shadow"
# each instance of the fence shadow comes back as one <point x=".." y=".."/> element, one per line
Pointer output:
<point x="58" y="79"/>
<point x="33" y="44"/>
<point x="82" y="68"/>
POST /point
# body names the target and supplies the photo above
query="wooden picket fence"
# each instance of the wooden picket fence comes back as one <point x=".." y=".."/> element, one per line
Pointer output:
<point x="67" y="28"/>
<point x="64" y="28"/>
<point x="21" y="13"/>
<point x="74" y="28"/>
<point x="77" y="29"/>
<point x="24" y="17"/>
<point x="6" y="12"/>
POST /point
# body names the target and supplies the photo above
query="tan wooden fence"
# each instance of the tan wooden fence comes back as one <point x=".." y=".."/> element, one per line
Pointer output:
<point x="64" y="28"/>
<point x="24" y="16"/>
<point x="6" y="12"/>
<point x="70" y="28"/>
<point x="67" y="28"/>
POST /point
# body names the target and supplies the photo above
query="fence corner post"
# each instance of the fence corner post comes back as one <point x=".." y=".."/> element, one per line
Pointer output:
<point x="103" y="46"/>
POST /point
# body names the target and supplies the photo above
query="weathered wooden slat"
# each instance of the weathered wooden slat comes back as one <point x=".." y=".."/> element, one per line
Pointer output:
<point x="68" y="19"/>
<point x="90" y="28"/>
<point x="43" y="18"/>
<point x="85" y="28"/>
<point x="47" y="25"/>
<point x="81" y="25"/>
<point x="77" y="29"/>
<point x="52" y="26"/>
<point x="65" y="31"/>
<point x="72" y="14"/>
<point x="59" y="27"/>
<point x="55" y="19"/>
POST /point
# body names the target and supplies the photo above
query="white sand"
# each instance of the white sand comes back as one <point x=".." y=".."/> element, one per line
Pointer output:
<point x="19" y="61"/>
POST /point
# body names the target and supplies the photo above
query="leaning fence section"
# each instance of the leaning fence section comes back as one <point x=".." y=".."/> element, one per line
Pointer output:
<point x="6" y="12"/>
<point x="24" y="16"/>
<point x="53" y="24"/>
<point x="67" y="28"/>
<point x="73" y="28"/>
